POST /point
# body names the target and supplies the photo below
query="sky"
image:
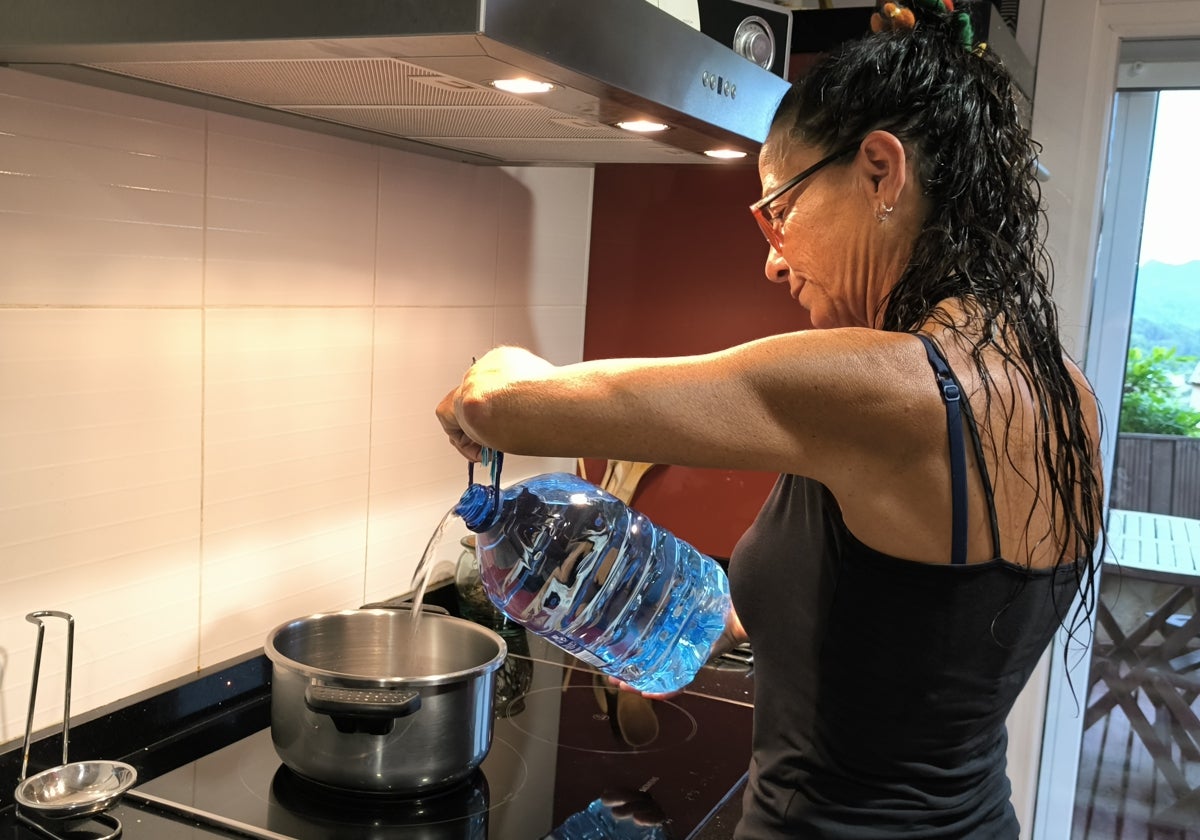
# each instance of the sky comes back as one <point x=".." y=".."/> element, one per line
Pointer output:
<point x="1171" y="230"/>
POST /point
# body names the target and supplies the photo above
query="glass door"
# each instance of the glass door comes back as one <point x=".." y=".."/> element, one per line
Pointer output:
<point x="1139" y="759"/>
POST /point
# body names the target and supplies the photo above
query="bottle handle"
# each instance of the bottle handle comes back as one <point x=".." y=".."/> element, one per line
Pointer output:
<point x="487" y="457"/>
<point x="492" y="458"/>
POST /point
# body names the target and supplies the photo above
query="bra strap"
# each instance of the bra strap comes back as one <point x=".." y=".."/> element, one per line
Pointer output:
<point x="952" y="397"/>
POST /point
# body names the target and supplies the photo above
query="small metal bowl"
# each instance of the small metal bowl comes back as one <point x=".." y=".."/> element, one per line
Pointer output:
<point x="78" y="789"/>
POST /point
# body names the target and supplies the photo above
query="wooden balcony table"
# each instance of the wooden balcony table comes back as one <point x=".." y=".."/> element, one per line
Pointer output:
<point x="1158" y="657"/>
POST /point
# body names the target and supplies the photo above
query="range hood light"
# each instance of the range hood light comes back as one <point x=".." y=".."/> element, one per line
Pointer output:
<point x="642" y="126"/>
<point x="425" y="77"/>
<point x="725" y="154"/>
<point x="521" y="85"/>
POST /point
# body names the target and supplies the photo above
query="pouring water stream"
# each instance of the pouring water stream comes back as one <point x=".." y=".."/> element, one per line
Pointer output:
<point x="420" y="580"/>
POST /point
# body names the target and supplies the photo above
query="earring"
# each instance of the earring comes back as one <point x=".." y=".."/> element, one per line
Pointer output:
<point x="884" y="211"/>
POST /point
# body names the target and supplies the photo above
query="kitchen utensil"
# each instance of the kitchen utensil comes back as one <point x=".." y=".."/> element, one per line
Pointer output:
<point x="632" y="716"/>
<point x="626" y="477"/>
<point x="79" y="790"/>
<point x="361" y="702"/>
<point x="621" y="478"/>
<point x="606" y="481"/>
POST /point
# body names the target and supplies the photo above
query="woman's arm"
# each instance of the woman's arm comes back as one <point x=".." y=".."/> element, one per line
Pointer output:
<point x="810" y="403"/>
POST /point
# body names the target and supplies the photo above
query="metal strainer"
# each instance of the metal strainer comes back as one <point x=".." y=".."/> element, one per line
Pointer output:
<point x="79" y="790"/>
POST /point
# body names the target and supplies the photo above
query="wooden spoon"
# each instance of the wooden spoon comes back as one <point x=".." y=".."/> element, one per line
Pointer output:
<point x="608" y="471"/>
<point x="630" y="478"/>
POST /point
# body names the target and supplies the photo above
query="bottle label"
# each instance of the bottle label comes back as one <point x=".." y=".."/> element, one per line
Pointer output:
<point x="574" y="648"/>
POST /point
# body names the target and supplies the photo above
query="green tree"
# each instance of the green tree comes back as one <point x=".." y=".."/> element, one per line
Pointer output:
<point x="1150" y="402"/>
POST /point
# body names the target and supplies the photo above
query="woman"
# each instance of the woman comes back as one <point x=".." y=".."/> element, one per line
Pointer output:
<point x="939" y="503"/>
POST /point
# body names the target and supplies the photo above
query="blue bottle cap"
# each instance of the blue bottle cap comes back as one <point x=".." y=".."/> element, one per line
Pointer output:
<point x="478" y="507"/>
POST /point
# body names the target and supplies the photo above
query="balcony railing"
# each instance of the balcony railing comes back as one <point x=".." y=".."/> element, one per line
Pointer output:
<point x="1157" y="474"/>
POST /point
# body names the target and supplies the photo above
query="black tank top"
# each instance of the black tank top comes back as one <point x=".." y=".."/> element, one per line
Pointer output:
<point x="882" y="684"/>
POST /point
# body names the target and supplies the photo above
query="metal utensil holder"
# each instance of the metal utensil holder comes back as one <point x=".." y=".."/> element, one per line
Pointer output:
<point x="73" y="813"/>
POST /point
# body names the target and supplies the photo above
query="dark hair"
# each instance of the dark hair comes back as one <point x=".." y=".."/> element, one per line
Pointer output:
<point x="955" y="111"/>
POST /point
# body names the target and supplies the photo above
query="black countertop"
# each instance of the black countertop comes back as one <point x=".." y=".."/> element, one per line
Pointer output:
<point x="165" y="728"/>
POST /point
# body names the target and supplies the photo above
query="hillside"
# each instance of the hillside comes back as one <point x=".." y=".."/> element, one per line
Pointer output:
<point x="1166" y="308"/>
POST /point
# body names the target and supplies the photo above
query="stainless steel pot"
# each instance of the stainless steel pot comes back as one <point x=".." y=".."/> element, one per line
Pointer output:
<point x="358" y="701"/>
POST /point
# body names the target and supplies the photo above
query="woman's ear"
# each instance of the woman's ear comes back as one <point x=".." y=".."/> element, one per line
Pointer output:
<point x="884" y="165"/>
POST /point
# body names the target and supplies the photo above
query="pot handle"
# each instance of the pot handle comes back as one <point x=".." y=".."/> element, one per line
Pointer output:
<point x="368" y="710"/>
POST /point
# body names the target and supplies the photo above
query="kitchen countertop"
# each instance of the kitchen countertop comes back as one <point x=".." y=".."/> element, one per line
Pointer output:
<point x="162" y="729"/>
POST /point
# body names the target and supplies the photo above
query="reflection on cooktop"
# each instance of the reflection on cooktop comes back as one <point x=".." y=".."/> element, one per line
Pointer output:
<point x="299" y="808"/>
<point x="567" y="741"/>
<point x="246" y="782"/>
<point x="620" y="721"/>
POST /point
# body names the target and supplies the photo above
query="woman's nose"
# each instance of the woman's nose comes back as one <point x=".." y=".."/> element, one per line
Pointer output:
<point x="776" y="268"/>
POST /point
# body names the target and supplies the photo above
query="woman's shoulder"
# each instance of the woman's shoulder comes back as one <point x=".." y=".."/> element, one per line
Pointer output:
<point x="861" y="404"/>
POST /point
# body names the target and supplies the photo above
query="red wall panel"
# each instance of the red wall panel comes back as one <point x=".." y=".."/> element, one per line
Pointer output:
<point x="676" y="267"/>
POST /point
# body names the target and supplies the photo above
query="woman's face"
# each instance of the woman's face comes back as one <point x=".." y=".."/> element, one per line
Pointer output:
<point x="823" y="255"/>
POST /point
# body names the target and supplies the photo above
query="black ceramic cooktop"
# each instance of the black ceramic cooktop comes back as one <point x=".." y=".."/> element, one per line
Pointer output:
<point x="562" y="740"/>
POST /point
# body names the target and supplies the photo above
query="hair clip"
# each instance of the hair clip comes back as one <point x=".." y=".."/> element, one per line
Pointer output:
<point x="892" y="16"/>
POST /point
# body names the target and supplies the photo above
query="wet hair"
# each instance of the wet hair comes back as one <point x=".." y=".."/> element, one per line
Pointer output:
<point x="956" y="113"/>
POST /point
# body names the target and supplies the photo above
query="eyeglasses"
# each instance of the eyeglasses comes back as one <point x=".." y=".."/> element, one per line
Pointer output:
<point x="768" y="219"/>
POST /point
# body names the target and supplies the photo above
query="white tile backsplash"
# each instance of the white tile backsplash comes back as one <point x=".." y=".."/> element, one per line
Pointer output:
<point x="101" y="197"/>
<point x="52" y="109"/>
<point x="100" y="478"/>
<point x="415" y="477"/>
<point x="554" y="332"/>
<point x="544" y="228"/>
<point x="438" y="228"/>
<point x="287" y="436"/>
<point x="291" y="217"/>
<point x="221" y="344"/>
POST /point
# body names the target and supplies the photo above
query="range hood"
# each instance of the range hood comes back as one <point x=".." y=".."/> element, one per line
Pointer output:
<point x="415" y="74"/>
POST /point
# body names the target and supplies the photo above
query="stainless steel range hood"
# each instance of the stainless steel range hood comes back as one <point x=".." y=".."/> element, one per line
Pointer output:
<point x="414" y="73"/>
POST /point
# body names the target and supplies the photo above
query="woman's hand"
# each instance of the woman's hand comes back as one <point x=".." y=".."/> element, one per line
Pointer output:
<point x="459" y="438"/>
<point x="649" y="695"/>
<point x="733" y="635"/>
<point x="495" y="370"/>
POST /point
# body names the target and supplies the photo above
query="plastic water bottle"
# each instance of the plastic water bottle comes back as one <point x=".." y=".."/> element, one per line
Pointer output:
<point x="575" y="565"/>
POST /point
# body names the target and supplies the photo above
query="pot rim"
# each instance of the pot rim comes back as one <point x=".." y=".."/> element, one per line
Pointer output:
<point x="366" y="681"/>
